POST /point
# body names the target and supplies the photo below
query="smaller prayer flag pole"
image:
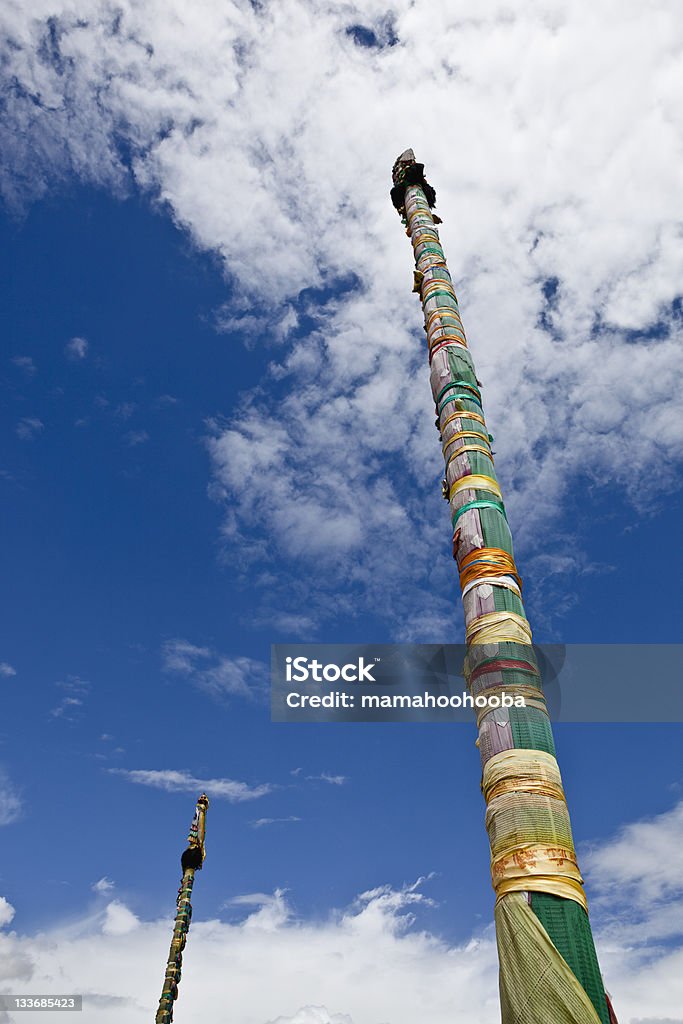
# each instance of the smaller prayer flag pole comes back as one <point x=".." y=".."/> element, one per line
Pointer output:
<point x="191" y="861"/>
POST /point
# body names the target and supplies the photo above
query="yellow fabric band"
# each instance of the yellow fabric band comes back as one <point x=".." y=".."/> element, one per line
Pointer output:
<point x="422" y="239"/>
<point x="437" y="284"/>
<point x="475" y="482"/>
<point x="449" y="332"/>
<point x="440" y="312"/>
<point x="529" y="830"/>
<point x="446" y="341"/>
<point x="522" y="771"/>
<point x="458" y="415"/>
<point x="498" y="627"/>
<point x="469" y="448"/>
<point x="567" y="888"/>
<point x="464" y="433"/>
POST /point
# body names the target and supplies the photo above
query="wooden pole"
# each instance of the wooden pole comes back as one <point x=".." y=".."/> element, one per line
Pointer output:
<point x="191" y="862"/>
<point x="548" y="965"/>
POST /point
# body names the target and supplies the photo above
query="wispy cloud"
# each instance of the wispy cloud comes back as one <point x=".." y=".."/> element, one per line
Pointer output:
<point x="6" y="669"/>
<point x="334" y="780"/>
<point x="75" y="691"/>
<point x="136" y="437"/>
<point x="76" y="349"/>
<point x="103" y="885"/>
<point x="262" y="822"/>
<point x="26" y="364"/>
<point x="218" y="675"/>
<point x="28" y="428"/>
<point x="10" y="802"/>
<point x="183" y="782"/>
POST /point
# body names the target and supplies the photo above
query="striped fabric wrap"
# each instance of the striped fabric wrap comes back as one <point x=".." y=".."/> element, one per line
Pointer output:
<point x="527" y="820"/>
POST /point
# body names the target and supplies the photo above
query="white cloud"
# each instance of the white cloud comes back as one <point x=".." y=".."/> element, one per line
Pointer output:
<point x="183" y="782"/>
<point x="119" y="920"/>
<point x="103" y="885"/>
<point x="272" y="910"/>
<point x="75" y="692"/>
<point x="181" y="656"/>
<point x="262" y="822"/>
<point x="558" y="141"/>
<point x="10" y="803"/>
<point x="314" y="1015"/>
<point x="639" y="874"/>
<point x="76" y="348"/>
<point x="216" y="674"/>
<point x="362" y="962"/>
<point x="7" y="912"/>
<point x="6" y="669"/>
<point x="28" y="428"/>
<point x="334" y="780"/>
<point x="371" y="961"/>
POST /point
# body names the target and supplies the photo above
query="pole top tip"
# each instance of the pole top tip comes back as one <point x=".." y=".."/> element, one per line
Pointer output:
<point x="407" y="171"/>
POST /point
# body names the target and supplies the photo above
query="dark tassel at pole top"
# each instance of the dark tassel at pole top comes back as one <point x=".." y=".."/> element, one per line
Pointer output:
<point x="406" y="171"/>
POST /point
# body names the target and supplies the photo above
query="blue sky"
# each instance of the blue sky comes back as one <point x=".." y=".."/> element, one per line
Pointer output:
<point x="218" y="435"/>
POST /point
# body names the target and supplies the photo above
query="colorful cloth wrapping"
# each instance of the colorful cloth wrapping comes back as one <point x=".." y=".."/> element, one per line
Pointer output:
<point x="527" y="820"/>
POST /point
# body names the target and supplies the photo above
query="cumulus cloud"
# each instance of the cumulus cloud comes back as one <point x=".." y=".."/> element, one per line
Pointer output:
<point x="640" y="872"/>
<point x="76" y="349"/>
<point x="567" y="277"/>
<point x="272" y="910"/>
<point x="363" y="962"/>
<point x="6" y="669"/>
<point x="7" y="912"/>
<point x="118" y="919"/>
<point x="183" y="782"/>
<point x="374" y="960"/>
<point x="218" y="675"/>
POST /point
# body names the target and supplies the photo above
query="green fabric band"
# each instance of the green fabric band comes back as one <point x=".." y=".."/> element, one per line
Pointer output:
<point x="479" y="503"/>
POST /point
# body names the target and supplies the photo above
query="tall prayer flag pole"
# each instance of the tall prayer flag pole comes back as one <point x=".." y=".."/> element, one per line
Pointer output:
<point x="549" y="971"/>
